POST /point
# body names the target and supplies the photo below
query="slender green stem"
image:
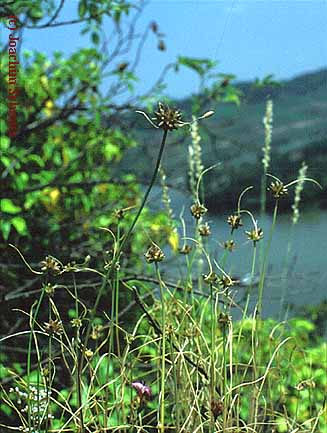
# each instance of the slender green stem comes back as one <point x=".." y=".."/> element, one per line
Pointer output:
<point x="124" y="241"/>
<point x="32" y="323"/>
<point x="163" y="352"/>
<point x="225" y="374"/>
<point x="77" y="345"/>
<point x="176" y="393"/>
<point x="212" y="355"/>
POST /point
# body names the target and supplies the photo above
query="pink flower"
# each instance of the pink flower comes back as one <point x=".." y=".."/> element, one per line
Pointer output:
<point x="143" y="391"/>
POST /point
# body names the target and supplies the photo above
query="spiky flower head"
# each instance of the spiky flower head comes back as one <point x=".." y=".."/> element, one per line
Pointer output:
<point x="210" y="278"/>
<point x="224" y="319"/>
<point x="76" y="323"/>
<point x="217" y="408"/>
<point x="198" y="210"/>
<point x="255" y="235"/>
<point x="51" y="264"/>
<point x="154" y="254"/>
<point x="278" y="189"/>
<point x="53" y="327"/>
<point x="49" y="289"/>
<point x="225" y="281"/>
<point x="229" y="245"/>
<point x="235" y="221"/>
<point x="204" y="230"/>
<point x="168" y="119"/>
<point x="185" y="249"/>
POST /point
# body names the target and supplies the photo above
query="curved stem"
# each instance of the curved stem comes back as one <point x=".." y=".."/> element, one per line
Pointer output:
<point x="130" y="230"/>
<point x="120" y="249"/>
<point x="154" y="176"/>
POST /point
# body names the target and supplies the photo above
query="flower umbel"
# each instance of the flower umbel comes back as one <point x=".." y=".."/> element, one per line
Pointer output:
<point x="225" y="281"/>
<point x="51" y="264"/>
<point x="204" y="230"/>
<point x="235" y="222"/>
<point x="53" y="327"/>
<point x="168" y="118"/>
<point x="229" y="245"/>
<point x="255" y="235"/>
<point x="278" y="189"/>
<point x="185" y="249"/>
<point x="210" y="278"/>
<point x="154" y="254"/>
<point x="217" y="408"/>
<point x="198" y="210"/>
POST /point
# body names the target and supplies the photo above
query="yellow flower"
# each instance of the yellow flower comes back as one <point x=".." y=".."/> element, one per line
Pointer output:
<point x="49" y="108"/>
<point x="173" y="240"/>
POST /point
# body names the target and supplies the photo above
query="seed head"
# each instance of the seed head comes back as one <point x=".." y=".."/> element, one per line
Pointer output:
<point x="229" y="245"/>
<point x="96" y="332"/>
<point x="224" y="319"/>
<point x="186" y="249"/>
<point x="76" y="323"/>
<point x="167" y="118"/>
<point x="154" y="254"/>
<point x="198" y="210"/>
<point x="278" y="189"/>
<point x="119" y="214"/>
<point x="235" y="222"/>
<point x="161" y="45"/>
<point x="49" y="289"/>
<point x="88" y="353"/>
<point x="217" y="408"/>
<point x="210" y="278"/>
<point x="204" y="230"/>
<point x="225" y="281"/>
<point x="255" y="235"/>
<point x="53" y="327"/>
<point x="51" y="264"/>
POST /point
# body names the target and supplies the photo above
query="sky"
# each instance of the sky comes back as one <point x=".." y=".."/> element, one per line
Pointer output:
<point x="249" y="38"/>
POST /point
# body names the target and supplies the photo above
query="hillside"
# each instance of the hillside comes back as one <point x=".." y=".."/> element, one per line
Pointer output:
<point x="234" y="137"/>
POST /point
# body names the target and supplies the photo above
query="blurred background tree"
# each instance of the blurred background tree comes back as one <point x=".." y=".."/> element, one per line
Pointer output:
<point x="62" y="175"/>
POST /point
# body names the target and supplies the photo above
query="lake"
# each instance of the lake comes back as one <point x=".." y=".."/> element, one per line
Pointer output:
<point x="299" y="276"/>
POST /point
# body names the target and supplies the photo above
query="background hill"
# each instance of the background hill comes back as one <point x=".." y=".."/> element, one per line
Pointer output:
<point x="235" y="136"/>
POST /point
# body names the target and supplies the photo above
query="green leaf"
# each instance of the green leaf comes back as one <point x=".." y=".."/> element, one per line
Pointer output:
<point x="5" y="229"/>
<point x="4" y="142"/>
<point x="7" y="206"/>
<point x="95" y="38"/>
<point x="20" y="225"/>
<point x="201" y="66"/>
<point x="82" y="8"/>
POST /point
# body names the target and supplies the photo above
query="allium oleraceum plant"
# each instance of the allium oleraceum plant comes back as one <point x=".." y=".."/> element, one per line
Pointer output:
<point x="186" y="365"/>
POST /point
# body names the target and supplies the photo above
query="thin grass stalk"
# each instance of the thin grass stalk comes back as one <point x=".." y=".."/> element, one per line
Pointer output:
<point x="32" y="323"/>
<point x="77" y="351"/>
<point x="176" y="391"/>
<point x="212" y="355"/>
<point x="163" y="352"/>
<point x="124" y="241"/>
